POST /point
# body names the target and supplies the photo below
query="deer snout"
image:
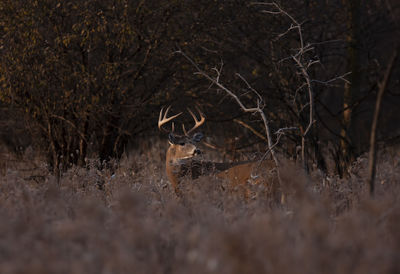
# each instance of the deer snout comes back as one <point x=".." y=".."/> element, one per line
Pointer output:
<point x="197" y="151"/>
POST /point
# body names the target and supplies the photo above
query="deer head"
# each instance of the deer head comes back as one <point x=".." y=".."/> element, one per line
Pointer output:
<point x="181" y="147"/>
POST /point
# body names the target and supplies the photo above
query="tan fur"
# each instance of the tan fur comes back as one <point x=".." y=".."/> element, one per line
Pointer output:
<point x="179" y="162"/>
<point x="176" y="154"/>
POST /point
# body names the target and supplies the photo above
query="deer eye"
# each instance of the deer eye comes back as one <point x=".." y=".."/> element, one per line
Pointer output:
<point x="182" y="143"/>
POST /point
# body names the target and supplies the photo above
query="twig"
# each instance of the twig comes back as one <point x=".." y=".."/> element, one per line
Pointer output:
<point x="81" y="134"/>
<point x="250" y="128"/>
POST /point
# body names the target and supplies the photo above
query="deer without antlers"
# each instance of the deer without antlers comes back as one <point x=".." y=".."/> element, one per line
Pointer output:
<point x="182" y="149"/>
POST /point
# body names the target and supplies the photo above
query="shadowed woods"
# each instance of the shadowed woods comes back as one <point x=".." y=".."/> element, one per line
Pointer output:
<point x="290" y="97"/>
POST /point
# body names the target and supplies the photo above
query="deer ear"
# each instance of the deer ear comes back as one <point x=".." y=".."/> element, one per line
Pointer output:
<point x="197" y="137"/>
<point x="172" y="139"/>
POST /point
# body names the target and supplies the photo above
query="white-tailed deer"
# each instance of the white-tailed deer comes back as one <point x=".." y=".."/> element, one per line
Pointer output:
<point x="182" y="148"/>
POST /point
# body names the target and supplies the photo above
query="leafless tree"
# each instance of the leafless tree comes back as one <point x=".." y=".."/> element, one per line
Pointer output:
<point x="258" y="109"/>
<point x="303" y="64"/>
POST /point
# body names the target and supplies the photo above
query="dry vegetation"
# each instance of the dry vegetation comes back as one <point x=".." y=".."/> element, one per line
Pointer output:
<point x="82" y="83"/>
<point x="126" y="219"/>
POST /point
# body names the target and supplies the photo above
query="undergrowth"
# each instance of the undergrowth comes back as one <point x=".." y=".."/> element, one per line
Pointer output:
<point x="127" y="219"/>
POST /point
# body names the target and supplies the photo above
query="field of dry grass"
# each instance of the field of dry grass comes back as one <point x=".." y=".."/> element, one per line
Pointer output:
<point x="128" y="220"/>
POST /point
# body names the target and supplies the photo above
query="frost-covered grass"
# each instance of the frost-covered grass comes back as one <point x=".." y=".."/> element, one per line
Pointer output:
<point x="127" y="219"/>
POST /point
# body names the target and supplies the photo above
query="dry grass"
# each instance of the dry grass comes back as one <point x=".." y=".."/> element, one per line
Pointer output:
<point x="130" y="222"/>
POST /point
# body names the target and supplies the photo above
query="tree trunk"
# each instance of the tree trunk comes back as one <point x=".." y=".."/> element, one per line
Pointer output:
<point x="54" y="160"/>
<point x="352" y="90"/>
<point x="83" y="143"/>
<point x="372" y="149"/>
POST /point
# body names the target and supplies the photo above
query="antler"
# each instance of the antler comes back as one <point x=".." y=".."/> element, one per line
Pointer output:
<point x="198" y="122"/>
<point x="163" y="119"/>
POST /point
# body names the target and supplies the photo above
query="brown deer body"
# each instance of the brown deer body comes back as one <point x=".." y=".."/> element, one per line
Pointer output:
<point x="180" y="159"/>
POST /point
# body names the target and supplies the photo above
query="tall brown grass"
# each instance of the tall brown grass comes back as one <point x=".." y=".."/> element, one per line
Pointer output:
<point x="126" y="219"/>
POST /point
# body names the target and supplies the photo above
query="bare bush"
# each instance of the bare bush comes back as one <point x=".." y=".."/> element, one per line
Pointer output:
<point x="132" y="222"/>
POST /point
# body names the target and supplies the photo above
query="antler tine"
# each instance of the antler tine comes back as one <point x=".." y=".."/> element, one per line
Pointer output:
<point x="184" y="130"/>
<point x="163" y="119"/>
<point x="198" y="122"/>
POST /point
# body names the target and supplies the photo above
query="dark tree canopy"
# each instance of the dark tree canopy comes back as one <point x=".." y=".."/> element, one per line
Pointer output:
<point x="92" y="75"/>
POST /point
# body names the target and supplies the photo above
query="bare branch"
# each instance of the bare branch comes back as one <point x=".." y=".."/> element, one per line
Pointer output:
<point x="80" y="133"/>
<point x="284" y="129"/>
<point x="252" y="110"/>
<point x="327" y="82"/>
<point x="251" y="129"/>
<point x="249" y="86"/>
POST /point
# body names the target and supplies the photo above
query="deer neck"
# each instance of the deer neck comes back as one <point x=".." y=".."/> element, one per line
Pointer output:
<point x="172" y="167"/>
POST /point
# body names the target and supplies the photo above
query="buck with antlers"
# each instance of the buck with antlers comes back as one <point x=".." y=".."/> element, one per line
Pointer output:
<point x="182" y="148"/>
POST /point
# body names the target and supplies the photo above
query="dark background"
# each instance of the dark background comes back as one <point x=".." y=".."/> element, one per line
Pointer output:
<point x="83" y="79"/>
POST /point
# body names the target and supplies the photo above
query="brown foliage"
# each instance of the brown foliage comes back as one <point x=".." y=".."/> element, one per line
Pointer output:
<point x="128" y="220"/>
